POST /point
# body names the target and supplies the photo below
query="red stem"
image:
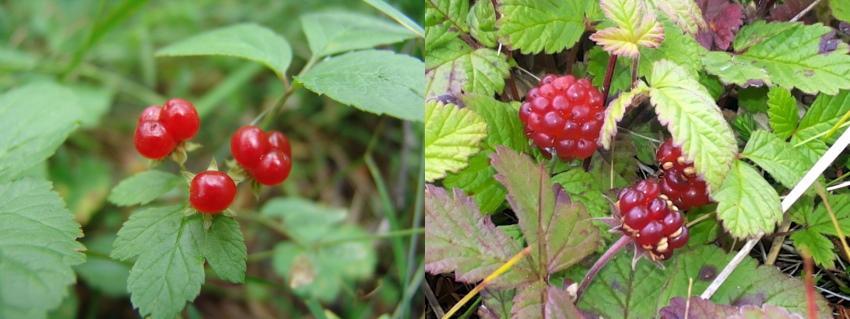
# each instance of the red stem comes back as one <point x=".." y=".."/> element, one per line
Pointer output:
<point x="810" y="287"/>
<point x="609" y="74"/>
<point x="597" y="266"/>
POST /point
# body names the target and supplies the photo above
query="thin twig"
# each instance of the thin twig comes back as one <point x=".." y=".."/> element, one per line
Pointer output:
<point x="597" y="266"/>
<point x="495" y="274"/>
<point x="609" y="74"/>
<point x="806" y="10"/>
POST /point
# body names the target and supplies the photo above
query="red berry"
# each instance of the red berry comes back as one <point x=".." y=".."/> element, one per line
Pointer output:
<point x="151" y="113"/>
<point x="153" y="141"/>
<point x="655" y="224"/>
<point x="279" y="141"/>
<point x="181" y="119"/>
<point x="248" y="144"/>
<point x="211" y="192"/>
<point x="273" y="169"/>
<point x="680" y="181"/>
<point x="563" y="116"/>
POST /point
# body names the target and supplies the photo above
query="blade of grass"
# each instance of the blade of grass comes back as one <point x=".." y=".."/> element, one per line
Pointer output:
<point x="389" y="212"/>
<point x="315" y="308"/>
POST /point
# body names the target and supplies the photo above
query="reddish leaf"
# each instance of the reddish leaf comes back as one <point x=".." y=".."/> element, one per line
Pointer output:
<point x="723" y="18"/>
<point x="698" y="308"/>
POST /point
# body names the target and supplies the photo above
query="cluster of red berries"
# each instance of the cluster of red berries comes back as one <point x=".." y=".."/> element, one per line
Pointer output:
<point x="651" y="219"/>
<point x="563" y="116"/>
<point x="266" y="157"/>
<point x="679" y="180"/>
<point x="160" y="129"/>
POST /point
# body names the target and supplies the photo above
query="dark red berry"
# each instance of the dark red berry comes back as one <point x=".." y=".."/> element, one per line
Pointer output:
<point x="265" y="156"/>
<point x="248" y="144"/>
<point x="651" y="219"/>
<point x="211" y="192"/>
<point x="153" y="141"/>
<point x="273" y="169"/>
<point x="181" y="119"/>
<point x="563" y="116"/>
<point x="679" y="180"/>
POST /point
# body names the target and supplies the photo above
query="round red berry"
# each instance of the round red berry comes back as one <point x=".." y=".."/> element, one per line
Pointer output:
<point x="279" y="141"/>
<point x="181" y="119"/>
<point x="273" y="169"/>
<point x="248" y="144"/>
<point x="651" y="219"/>
<point x="151" y="113"/>
<point x="211" y="192"/>
<point x="563" y="116"/>
<point x="679" y="180"/>
<point x="153" y="141"/>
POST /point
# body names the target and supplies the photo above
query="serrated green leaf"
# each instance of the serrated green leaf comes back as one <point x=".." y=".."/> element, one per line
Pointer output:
<point x="617" y="109"/>
<point x="636" y="27"/>
<point x="785" y="163"/>
<point x="396" y="15"/>
<point x="482" y="23"/>
<point x="746" y="203"/>
<point x="442" y="45"/>
<point x="694" y="121"/>
<point x="503" y="124"/>
<point x="247" y="41"/>
<point x="144" y="187"/>
<point x="380" y="82"/>
<point x="533" y="26"/>
<point x="452" y="135"/>
<point x="541" y="300"/>
<point x="816" y="245"/>
<point x="38" y="247"/>
<point x="620" y="291"/>
<point x="451" y="12"/>
<point x="224" y="249"/>
<point x="818" y="220"/>
<point x="840" y="9"/>
<point x="744" y="124"/>
<point x="462" y="240"/>
<point x="532" y="198"/>
<point x="732" y="69"/>
<point x="825" y="111"/>
<point x="580" y="185"/>
<point x="335" y="32"/>
<point x="813" y="148"/>
<point x="789" y="52"/>
<point x="678" y="47"/>
<point x="169" y="266"/>
<point x="102" y="273"/>
<point x="685" y="13"/>
<point x="34" y="120"/>
<point x="486" y="71"/>
<point x="782" y="112"/>
<point x="753" y="99"/>
<point x="310" y="221"/>
<point x="477" y="181"/>
<point x="321" y="272"/>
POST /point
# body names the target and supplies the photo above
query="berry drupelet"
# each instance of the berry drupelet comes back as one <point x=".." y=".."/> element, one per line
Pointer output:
<point x="651" y="219"/>
<point x="679" y="180"/>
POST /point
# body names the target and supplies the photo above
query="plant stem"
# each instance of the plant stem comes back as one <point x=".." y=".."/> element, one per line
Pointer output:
<point x="635" y="63"/>
<point x="597" y="266"/>
<point x="492" y="276"/>
<point x="810" y="286"/>
<point x="609" y="74"/>
<point x="268" y="113"/>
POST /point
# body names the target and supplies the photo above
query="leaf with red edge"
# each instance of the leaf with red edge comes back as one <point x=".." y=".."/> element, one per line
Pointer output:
<point x="636" y="28"/>
<point x="539" y="300"/>
<point x="723" y="18"/>
<point x="698" y="308"/>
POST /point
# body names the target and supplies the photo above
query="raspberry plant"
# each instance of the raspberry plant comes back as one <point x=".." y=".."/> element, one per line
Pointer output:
<point x="117" y="200"/>
<point x="694" y="116"/>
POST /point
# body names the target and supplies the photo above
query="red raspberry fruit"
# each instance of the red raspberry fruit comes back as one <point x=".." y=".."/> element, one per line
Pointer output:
<point x="211" y="192"/>
<point x="563" y="116"/>
<point x="680" y="181"/>
<point x="651" y="219"/>
<point x="160" y="129"/>
<point x="265" y="156"/>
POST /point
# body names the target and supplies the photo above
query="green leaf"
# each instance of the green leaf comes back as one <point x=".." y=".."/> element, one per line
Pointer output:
<point x="746" y="203"/>
<point x="94" y="102"/>
<point x="733" y="69"/>
<point x="83" y="182"/>
<point x="696" y="307"/>
<point x="566" y="234"/>
<point x="678" y="47"/>
<point x="310" y="221"/>
<point x="477" y="181"/>
<point x="597" y="64"/>
<point x="540" y="300"/>
<point x="321" y="271"/>
<point x="840" y="9"/>
<point x="101" y="272"/>
<point x="819" y="221"/>
<point x="753" y="99"/>
<point x="34" y="120"/>
<point x="462" y="240"/>
<point x="443" y="45"/>
<point x="825" y="111"/>
<point x="623" y="291"/>
<point x="503" y="124"/>
<point x="169" y="266"/>
<point x="744" y="124"/>
<point x="694" y="121"/>
<point x="782" y="112"/>
<point x="685" y="13"/>
<point x="481" y="72"/>
<point x="225" y="251"/>
<point x="452" y="135"/>
<point x="617" y="109"/>
<point x="449" y="12"/>
<point x="247" y="41"/>
<point x="380" y="82"/>
<point x="580" y="185"/>
<point x="789" y="52"/>
<point x="144" y="187"/>
<point x="814" y="148"/>
<point x="396" y="15"/>
<point x="816" y="245"/>
<point x="334" y="32"/>
<point x="38" y="247"/>
<point x="533" y="26"/>
<point x="785" y="163"/>
<point x="482" y="23"/>
<point x="636" y="27"/>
